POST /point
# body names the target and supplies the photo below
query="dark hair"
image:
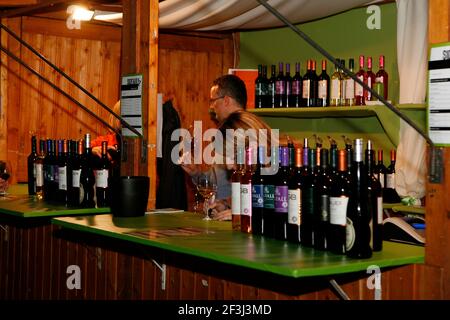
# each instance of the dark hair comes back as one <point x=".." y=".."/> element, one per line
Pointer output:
<point x="232" y="86"/>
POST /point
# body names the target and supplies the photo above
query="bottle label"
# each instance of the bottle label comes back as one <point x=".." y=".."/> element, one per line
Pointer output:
<point x="323" y="89"/>
<point x="246" y="199"/>
<point x="259" y="89"/>
<point x="288" y="88"/>
<point x="306" y="86"/>
<point x="338" y="210"/>
<point x="101" y="178"/>
<point x="390" y="181"/>
<point x="76" y="178"/>
<point x="349" y="89"/>
<point x="335" y="89"/>
<point x="350" y="235"/>
<point x="271" y="89"/>
<point x="296" y="87"/>
<point x="379" y="210"/>
<point x="359" y="90"/>
<point x="236" y="198"/>
<point x="381" y="179"/>
<point x="379" y="79"/>
<point x="281" y="199"/>
<point x="39" y="175"/>
<point x="295" y="207"/>
<point x="62" y="181"/>
<point x="258" y="196"/>
<point x="280" y="87"/>
<point x="269" y="196"/>
<point x="324" y="207"/>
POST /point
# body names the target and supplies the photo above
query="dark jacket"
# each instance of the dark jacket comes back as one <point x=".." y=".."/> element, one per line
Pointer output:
<point x="171" y="191"/>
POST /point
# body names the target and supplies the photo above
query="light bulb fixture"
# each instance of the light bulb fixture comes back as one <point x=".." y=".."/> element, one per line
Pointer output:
<point x="107" y="15"/>
<point x="77" y="14"/>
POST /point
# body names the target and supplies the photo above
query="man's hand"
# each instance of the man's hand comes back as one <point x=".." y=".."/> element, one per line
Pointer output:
<point x="220" y="210"/>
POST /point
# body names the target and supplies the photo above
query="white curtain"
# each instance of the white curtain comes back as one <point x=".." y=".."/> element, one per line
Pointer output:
<point x="245" y="14"/>
<point x="412" y="52"/>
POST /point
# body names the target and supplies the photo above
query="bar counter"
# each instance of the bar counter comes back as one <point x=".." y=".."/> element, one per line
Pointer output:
<point x="187" y="233"/>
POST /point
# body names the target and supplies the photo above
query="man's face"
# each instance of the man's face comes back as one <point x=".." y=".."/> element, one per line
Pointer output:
<point x="217" y="107"/>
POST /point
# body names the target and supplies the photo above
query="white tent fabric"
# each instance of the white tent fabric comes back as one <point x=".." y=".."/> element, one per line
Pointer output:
<point x="412" y="52"/>
<point x="202" y="15"/>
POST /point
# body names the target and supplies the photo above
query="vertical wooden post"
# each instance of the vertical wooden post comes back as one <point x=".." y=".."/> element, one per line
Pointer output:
<point x="437" y="250"/>
<point x="140" y="55"/>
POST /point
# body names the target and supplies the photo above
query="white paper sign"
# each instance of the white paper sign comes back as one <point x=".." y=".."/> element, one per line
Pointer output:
<point x="131" y="103"/>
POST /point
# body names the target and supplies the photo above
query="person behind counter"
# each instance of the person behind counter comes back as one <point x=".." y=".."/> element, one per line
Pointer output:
<point x="228" y="99"/>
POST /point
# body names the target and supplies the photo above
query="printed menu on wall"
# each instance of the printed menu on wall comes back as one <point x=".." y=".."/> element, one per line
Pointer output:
<point x="439" y="94"/>
<point x="131" y="103"/>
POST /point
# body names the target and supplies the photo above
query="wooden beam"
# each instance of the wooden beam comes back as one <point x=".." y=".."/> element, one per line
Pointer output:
<point x="140" y="55"/>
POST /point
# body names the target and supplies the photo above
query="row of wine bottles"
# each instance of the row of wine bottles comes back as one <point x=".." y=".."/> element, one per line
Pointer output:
<point x="67" y="172"/>
<point x="312" y="90"/>
<point x="329" y="199"/>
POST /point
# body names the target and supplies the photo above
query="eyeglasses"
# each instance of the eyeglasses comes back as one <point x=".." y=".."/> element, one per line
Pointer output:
<point x="212" y="100"/>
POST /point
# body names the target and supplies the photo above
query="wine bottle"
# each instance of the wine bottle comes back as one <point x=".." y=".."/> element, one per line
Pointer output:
<point x="49" y="177"/>
<point x="31" y="166"/>
<point x="322" y="217"/>
<point x="323" y="97"/>
<point x="281" y="196"/>
<point x="390" y="195"/>
<point x="272" y="88"/>
<point x="87" y="177"/>
<point x="261" y="88"/>
<point x="236" y="190"/>
<point x="380" y="169"/>
<point x="246" y="192"/>
<point x="296" y="95"/>
<point x="310" y="85"/>
<point x="288" y="83"/>
<point x="306" y="86"/>
<point x="339" y="198"/>
<point x="55" y="171"/>
<point x="295" y="200"/>
<point x="258" y="194"/>
<point x="349" y="84"/>
<point x="102" y="178"/>
<point x="375" y="199"/>
<point x="382" y="77"/>
<point x="370" y="80"/>
<point x="63" y="172"/>
<point x="336" y="86"/>
<point x="358" y="217"/>
<point x="343" y="77"/>
<point x="308" y="198"/>
<point x="359" y="89"/>
<point x="75" y="194"/>
<point x="280" y="87"/>
<point x="269" y="196"/>
<point x="40" y="170"/>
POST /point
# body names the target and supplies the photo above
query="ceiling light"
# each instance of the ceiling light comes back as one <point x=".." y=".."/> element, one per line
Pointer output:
<point x="107" y="15"/>
<point x="80" y="13"/>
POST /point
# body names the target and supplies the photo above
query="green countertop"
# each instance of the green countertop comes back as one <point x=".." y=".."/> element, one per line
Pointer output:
<point x="18" y="203"/>
<point x="187" y="233"/>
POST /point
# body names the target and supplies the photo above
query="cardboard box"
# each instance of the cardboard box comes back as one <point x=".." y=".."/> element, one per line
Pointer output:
<point x="248" y="76"/>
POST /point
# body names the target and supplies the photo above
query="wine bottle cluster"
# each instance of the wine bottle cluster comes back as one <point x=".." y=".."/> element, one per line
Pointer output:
<point x="329" y="199"/>
<point x="66" y="172"/>
<point x="283" y="90"/>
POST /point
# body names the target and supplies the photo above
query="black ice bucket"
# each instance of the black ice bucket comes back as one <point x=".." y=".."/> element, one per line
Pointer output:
<point x="129" y="195"/>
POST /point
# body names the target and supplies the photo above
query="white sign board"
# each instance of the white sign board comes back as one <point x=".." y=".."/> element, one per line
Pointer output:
<point x="131" y="103"/>
<point x="439" y="94"/>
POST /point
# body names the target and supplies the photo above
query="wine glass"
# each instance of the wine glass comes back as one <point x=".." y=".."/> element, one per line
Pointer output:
<point x="197" y="195"/>
<point x="5" y="173"/>
<point x="207" y="187"/>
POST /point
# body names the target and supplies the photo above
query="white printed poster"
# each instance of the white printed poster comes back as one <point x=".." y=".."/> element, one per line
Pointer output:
<point x="131" y="103"/>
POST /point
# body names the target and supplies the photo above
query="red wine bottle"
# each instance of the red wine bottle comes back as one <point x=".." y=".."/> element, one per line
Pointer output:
<point x="31" y="166"/>
<point x="281" y="196"/>
<point x="375" y="199"/>
<point x="246" y="193"/>
<point x="359" y="89"/>
<point x="75" y="188"/>
<point x="295" y="99"/>
<point x="339" y="198"/>
<point x="383" y="77"/>
<point x="288" y="83"/>
<point x="272" y="88"/>
<point x="269" y="195"/>
<point x="102" y="173"/>
<point x="39" y="164"/>
<point x="308" y="197"/>
<point x="358" y="217"/>
<point x="236" y="190"/>
<point x="261" y="88"/>
<point x="258" y="194"/>
<point x="63" y="172"/>
<point x="323" y="90"/>
<point x="322" y="216"/>
<point x="280" y="87"/>
<point x="370" y="80"/>
<point x="380" y="170"/>
<point x="87" y="177"/>
<point x="295" y="200"/>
